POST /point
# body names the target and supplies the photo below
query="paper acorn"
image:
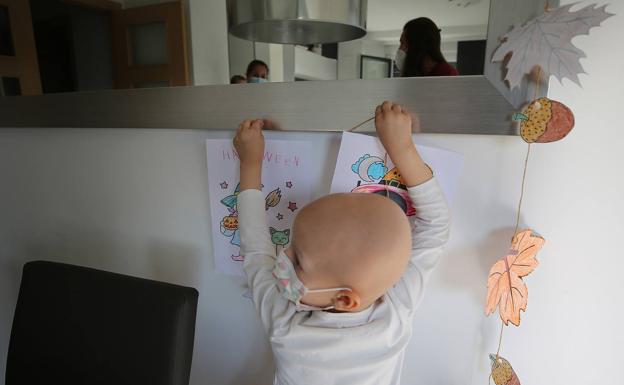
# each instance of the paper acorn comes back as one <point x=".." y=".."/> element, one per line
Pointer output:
<point x="544" y="120"/>
<point x="502" y="372"/>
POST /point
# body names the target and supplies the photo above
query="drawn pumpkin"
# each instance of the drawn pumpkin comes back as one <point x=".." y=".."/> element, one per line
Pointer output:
<point x="544" y="120"/>
<point x="230" y="222"/>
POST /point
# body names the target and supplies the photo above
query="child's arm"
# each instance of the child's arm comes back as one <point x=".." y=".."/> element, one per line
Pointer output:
<point x="256" y="245"/>
<point x="430" y="224"/>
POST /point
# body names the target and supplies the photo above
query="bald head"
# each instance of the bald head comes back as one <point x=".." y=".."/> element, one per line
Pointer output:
<point x="357" y="240"/>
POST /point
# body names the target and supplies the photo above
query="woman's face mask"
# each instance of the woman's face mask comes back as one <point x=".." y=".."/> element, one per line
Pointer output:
<point x="292" y="288"/>
<point x="399" y="59"/>
<point x="255" y="79"/>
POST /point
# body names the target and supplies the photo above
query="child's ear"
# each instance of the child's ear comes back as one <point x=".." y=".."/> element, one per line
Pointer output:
<point x="347" y="300"/>
<point x="272" y="230"/>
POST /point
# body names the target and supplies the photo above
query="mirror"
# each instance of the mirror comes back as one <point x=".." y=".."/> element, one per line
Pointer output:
<point x="463" y="26"/>
<point x="87" y="45"/>
<point x="121" y="42"/>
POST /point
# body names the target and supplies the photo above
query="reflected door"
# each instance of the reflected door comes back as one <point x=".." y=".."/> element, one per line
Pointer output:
<point x="19" y="70"/>
<point x="150" y="47"/>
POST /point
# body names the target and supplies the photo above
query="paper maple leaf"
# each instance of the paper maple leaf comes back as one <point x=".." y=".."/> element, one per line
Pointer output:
<point x="546" y="41"/>
<point x="506" y="290"/>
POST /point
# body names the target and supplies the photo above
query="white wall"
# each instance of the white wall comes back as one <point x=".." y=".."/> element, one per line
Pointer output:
<point x="209" y="42"/>
<point x="349" y="54"/>
<point x="135" y="201"/>
<point x="241" y="52"/>
<point x="313" y="66"/>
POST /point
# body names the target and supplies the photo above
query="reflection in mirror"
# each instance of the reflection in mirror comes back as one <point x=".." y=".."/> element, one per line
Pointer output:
<point x="6" y="38"/>
<point x="463" y="32"/>
<point x="84" y="45"/>
<point x="10" y="86"/>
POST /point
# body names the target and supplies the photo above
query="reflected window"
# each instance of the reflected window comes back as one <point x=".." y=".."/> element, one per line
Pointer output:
<point x="6" y="40"/>
<point x="148" y="44"/>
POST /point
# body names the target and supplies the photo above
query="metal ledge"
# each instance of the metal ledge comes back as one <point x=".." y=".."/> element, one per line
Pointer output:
<point x="452" y="105"/>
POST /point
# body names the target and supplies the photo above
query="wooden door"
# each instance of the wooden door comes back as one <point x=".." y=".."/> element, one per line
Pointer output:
<point x="149" y="46"/>
<point x="18" y="53"/>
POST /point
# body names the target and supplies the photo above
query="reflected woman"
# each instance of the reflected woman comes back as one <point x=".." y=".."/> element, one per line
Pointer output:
<point x="419" y="53"/>
<point x="257" y="72"/>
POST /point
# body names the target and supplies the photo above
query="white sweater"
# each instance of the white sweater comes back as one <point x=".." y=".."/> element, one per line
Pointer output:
<point x="318" y="347"/>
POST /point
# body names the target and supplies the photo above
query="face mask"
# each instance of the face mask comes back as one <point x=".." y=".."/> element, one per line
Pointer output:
<point x="399" y="59"/>
<point x="291" y="287"/>
<point x="255" y="79"/>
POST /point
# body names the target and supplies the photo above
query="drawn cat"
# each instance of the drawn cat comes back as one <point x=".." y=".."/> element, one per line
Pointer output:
<point x="279" y="237"/>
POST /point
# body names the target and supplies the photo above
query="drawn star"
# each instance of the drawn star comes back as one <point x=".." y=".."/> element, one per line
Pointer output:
<point x="223" y="185"/>
<point x="289" y="184"/>
<point x="279" y="216"/>
<point x="292" y="206"/>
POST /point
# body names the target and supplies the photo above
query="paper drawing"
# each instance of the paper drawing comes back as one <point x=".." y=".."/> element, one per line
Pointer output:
<point x="363" y="166"/>
<point x="506" y="289"/>
<point x="546" y="41"/>
<point x="273" y="198"/>
<point x="284" y="187"/>
<point x="279" y="238"/>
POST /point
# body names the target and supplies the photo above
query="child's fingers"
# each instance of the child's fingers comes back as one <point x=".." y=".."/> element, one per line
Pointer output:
<point x="244" y="125"/>
<point x="378" y="110"/>
<point x="257" y="124"/>
<point x="397" y="108"/>
<point x="386" y="106"/>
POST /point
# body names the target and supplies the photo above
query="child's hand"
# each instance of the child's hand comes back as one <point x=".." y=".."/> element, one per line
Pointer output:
<point x="249" y="144"/>
<point x="394" y="128"/>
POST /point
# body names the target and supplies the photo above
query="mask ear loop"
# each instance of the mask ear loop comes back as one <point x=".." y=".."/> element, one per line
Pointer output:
<point x="332" y="306"/>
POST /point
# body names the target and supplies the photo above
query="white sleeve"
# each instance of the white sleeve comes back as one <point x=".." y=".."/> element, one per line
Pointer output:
<point x="430" y="232"/>
<point x="259" y="252"/>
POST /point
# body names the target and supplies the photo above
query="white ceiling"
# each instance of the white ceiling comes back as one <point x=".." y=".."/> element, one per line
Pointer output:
<point x="390" y="15"/>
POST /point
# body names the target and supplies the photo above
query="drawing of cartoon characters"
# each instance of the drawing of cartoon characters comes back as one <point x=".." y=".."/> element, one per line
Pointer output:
<point x="369" y="168"/>
<point x="229" y="223"/>
<point x="229" y="228"/>
<point x="231" y="201"/>
<point x="273" y="198"/>
<point x="279" y="238"/>
<point x="389" y="184"/>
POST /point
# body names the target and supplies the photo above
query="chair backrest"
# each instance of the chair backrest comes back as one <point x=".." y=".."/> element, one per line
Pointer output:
<point x="75" y="325"/>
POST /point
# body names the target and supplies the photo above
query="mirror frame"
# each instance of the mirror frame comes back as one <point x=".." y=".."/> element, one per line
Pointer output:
<point x="452" y="105"/>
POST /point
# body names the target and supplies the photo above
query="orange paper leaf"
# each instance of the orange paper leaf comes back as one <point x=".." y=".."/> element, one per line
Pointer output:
<point x="506" y="290"/>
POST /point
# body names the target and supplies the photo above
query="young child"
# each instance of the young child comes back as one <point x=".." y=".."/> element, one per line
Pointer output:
<point x="338" y="303"/>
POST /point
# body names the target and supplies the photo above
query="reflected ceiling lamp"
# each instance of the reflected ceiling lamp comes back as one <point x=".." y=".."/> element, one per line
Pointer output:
<point x="300" y="22"/>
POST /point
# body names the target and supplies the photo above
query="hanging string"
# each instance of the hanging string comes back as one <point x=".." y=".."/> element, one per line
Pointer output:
<point x="360" y="124"/>
<point x="526" y="163"/>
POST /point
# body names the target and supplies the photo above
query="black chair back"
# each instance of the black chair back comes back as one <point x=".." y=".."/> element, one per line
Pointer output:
<point x="75" y="325"/>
